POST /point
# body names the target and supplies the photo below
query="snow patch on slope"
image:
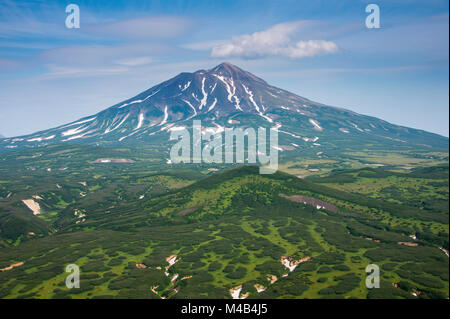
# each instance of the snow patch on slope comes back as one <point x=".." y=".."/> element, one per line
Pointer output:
<point x="205" y="95"/>
<point x="213" y="105"/>
<point x="231" y="93"/>
<point x="109" y="129"/>
<point x="192" y="107"/>
<point x="166" y="115"/>
<point x="74" y="131"/>
<point x="141" y="121"/>
<point x="252" y="100"/>
<point x="316" y="125"/>
<point x="185" y="86"/>
<point x="40" y="139"/>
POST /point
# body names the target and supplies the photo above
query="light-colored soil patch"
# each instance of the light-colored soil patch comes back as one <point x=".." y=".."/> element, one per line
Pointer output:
<point x="79" y="213"/>
<point x="171" y="260"/>
<point x="33" y="206"/>
<point x="141" y="266"/>
<point x="187" y="211"/>
<point x="153" y="289"/>
<point x="291" y="264"/>
<point x="186" y="277"/>
<point x="174" y="292"/>
<point x="444" y="250"/>
<point x="407" y="243"/>
<point x="272" y="279"/>
<point x="259" y="288"/>
<point x="112" y="160"/>
<point x="317" y="203"/>
<point x="236" y="293"/>
<point x="311" y="201"/>
<point x="12" y="266"/>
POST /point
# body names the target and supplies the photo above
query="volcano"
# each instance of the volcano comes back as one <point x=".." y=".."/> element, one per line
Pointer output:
<point x="228" y="96"/>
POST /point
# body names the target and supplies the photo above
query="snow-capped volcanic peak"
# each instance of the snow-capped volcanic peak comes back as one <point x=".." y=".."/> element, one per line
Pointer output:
<point x="224" y="89"/>
<point x="223" y="94"/>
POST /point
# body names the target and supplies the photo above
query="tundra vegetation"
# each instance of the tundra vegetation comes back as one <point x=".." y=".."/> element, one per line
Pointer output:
<point x="124" y="221"/>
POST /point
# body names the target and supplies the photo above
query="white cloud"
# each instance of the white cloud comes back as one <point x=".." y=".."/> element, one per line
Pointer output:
<point x="137" y="61"/>
<point x="278" y="40"/>
<point x="303" y="49"/>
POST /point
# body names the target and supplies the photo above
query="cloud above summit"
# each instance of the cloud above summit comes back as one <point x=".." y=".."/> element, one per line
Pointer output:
<point x="279" y="40"/>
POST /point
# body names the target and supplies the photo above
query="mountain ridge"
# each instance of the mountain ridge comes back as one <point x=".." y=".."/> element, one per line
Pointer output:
<point x="224" y="95"/>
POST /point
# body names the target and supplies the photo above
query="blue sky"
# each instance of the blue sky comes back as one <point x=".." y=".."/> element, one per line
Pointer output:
<point x="51" y="75"/>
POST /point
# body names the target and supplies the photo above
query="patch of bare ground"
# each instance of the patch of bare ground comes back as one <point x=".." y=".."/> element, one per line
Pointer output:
<point x="319" y="204"/>
<point x="311" y="201"/>
<point x="236" y="293"/>
<point x="187" y="211"/>
<point x="259" y="288"/>
<point x="112" y="160"/>
<point x="12" y="266"/>
<point x="33" y="206"/>
<point x="407" y="243"/>
<point x="153" y="289"/>
<point x="186" y="277"/>
<point x="291" y="264"/>
<point x="272" y="279"/>
<point x="444" y="250"/>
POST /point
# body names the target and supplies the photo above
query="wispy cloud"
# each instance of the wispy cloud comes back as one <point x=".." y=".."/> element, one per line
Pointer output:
<point x="137" y="61"/>
<point x="277" y="40"/>
<point x="94" y="60"/>
<point x="103" y="44"/>
<point x="158" y="27"/>
<point x="204" y="45"/>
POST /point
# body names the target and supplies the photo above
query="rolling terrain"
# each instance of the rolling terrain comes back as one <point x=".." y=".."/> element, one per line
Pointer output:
<point x="102" y="193"/>
<point x="239" y="229"/>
